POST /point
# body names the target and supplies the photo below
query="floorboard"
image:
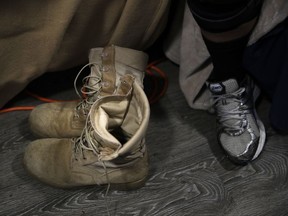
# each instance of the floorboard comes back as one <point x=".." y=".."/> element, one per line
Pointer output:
<point x="189" y="174"/>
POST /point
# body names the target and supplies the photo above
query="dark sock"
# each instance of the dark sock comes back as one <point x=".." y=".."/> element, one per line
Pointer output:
<point x="227" y="59"/>
<point x="223" y="15"/>
<point x="220" y="16"/>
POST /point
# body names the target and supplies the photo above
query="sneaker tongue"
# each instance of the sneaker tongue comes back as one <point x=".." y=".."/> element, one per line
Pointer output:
<point x="226" y="103"/>
<point x="228" y="86"/>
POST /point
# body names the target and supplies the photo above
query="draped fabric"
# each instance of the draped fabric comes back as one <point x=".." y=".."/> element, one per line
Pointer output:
<point x="40" y="36"/>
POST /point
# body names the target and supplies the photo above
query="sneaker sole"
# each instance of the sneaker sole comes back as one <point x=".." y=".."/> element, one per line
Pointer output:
<point x="261" y="139"/>
<point x="262" y="134"/>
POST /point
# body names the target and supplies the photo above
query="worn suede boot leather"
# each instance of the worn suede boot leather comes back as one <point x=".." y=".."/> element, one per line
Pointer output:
<point x="111" y="149"/>
<point x="67" y="119"/>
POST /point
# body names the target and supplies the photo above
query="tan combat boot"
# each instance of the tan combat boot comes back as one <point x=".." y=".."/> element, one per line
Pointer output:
<point x="111" y="149"/>
<point x="67" y="119"/>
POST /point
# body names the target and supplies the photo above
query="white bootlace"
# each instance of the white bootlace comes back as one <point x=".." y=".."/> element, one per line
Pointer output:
<point x="87" y="142"/>
<point x="89" y="91"/>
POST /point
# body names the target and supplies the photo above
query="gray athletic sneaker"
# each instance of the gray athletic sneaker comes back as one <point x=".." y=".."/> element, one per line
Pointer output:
<point x="240" y="132"/>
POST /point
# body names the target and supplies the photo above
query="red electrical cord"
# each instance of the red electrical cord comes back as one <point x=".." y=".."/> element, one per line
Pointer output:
<point x="164" y="88"/>
<point x="18" y="108"/>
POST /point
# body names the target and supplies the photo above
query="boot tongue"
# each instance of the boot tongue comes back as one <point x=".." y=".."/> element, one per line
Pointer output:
<point x="107" y="115"/>
<point x="225" y="87"/>
<point x="106" y="118"/>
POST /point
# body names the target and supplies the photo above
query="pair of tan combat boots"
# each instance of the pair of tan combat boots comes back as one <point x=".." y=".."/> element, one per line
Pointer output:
<point x="101" y="139"/>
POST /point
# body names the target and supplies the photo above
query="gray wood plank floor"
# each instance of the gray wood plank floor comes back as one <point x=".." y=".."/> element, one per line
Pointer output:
<point x="189" y="175"/>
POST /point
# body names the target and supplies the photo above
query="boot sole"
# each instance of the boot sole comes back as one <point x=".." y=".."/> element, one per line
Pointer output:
<point x="114" y="186"/>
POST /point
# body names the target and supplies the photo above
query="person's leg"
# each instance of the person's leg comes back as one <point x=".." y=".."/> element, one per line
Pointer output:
<point x="226" y="26"/>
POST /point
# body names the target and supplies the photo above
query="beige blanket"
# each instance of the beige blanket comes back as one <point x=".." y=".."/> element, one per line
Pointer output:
<point x="185" y="46"/>
<point x="37" y="36"/>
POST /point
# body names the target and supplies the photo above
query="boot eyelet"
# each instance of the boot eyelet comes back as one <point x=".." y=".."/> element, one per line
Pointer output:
<point x="106" y="84"/>
<point x="104" y="54"/>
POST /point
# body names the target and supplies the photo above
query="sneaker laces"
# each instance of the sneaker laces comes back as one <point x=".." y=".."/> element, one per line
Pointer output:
<point x="90" y="88"/>
<point x="231" y="118"/>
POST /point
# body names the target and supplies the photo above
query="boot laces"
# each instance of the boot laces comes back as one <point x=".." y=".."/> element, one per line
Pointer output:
<point x="86" y="142"/>
<point x="90" y="88"/>
<point x="231" y="110"/>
